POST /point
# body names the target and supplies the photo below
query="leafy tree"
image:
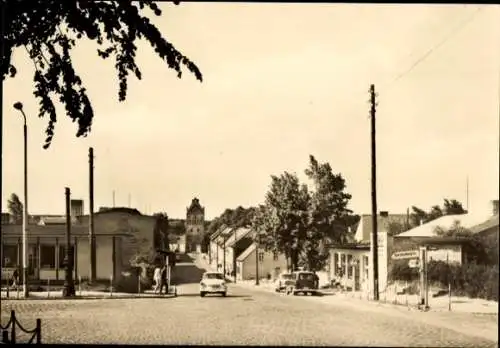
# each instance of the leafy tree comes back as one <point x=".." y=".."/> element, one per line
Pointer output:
<point x="417" y="216"/>
<point x="450" y="207"/>
<point x="283" y="223"/>
<point x="453" y="207"/>
<point x="395" y="227"/>
<point x="47" y="30"/>
<point x="15" y="208"/>
<point x="160" y="232"/>
<point x="329" y="216"/>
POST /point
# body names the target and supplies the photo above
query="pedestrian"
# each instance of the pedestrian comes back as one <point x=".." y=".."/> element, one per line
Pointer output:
<point x="163" y="279"/>
<point x="157" y="278"/>
<point x="15" y="278"/>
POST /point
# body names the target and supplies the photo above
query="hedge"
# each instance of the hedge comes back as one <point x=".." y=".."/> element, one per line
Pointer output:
<point x="472" y="280"/>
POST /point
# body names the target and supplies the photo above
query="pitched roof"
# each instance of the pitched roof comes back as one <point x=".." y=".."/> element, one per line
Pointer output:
<point x="445" y="222"/>
<point x="238" y="234"/>
<point x="244" y="255"/>
<point x="214" y="235"/>
<point x="486" y="225"/>
<point x="223" y="235"/>
<point x="364" y="228"/>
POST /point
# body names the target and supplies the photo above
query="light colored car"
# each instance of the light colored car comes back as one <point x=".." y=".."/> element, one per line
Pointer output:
<point x="284" y="279"/>
<point x="213" y="283"/>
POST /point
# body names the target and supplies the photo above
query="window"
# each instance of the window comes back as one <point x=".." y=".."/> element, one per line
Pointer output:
<point x="213" y="276"/>
<point x="275" y="256"/>
<point x="48" y="256"/>
<point x="349" y="266"/>
<point x="261" y="256"/>
<point x="9" y="254"/>
<point x="62" y="254"/>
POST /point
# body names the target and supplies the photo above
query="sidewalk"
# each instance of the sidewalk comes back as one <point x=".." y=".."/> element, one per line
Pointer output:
<point x="57" y="295"/>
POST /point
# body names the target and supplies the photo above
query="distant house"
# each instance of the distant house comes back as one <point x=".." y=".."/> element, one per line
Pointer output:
<point x="236" y="243"/>
<point x="269" y="263"/>
<point x="213" y="246"/>
<point x="349" y="263"/>
<point x="119" y="235"/>
<point x="221" y="255"/>
<point x="443" y="246"/>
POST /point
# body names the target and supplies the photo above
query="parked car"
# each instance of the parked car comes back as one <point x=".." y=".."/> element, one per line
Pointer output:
<point x="284" y="279"/>
<point x="213" y="283"/>
<point x="304" y="282"/>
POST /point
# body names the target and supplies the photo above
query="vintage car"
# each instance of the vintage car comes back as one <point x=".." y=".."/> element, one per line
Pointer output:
<point x="284" y="279"/>
<point x="213" y="283"/>
<point x="304" y="282"/>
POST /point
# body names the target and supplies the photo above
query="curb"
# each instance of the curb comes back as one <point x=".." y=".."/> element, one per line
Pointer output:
<point x="128" y="297"/>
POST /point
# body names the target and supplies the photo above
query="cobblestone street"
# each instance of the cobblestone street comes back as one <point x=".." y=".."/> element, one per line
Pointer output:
<point x="246" y="316"/>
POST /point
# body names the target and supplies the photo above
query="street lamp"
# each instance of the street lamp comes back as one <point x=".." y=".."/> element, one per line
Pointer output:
<point x="19" y="106"/>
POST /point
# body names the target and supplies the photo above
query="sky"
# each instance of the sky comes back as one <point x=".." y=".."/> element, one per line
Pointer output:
<point x="281" y="82"/>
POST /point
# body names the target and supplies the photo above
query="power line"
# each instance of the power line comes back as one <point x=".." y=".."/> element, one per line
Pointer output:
<point x="455" y="31"/>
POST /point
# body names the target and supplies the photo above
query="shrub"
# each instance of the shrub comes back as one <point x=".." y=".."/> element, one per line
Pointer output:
<point x="472" y="280"/>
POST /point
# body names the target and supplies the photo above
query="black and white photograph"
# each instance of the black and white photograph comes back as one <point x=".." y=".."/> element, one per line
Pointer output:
<point x="249" y="173"/>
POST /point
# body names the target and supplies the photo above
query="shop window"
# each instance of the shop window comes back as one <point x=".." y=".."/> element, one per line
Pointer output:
<point x="9" y="254"/>
<point x="48" y="256"/>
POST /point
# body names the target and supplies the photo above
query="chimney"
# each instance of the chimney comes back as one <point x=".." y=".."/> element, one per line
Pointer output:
<point x="494" y="205"/>
<point x="76" y="208"/>
<point x="384" y="213"/>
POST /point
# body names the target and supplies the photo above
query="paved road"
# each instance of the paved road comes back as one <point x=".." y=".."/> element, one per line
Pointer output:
<point x="244" y="317"/>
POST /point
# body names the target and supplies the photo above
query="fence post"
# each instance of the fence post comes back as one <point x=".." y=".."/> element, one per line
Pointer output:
<point x="449" y="296"/>
<point x="406" y="293"/>
<point x="38" y="331"/>
<point x="111" y="286"/>
<point x="13" y="330"/>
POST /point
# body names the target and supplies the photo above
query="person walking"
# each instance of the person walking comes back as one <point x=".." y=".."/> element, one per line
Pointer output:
<point x="15" y="278"/>
<point x="157" y="279"/>
<point x="163" y="279"/>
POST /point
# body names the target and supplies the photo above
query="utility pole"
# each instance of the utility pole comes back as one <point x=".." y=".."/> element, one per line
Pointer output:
<point x="113" y="198"/>
<point x="92" y="243"/>
<point x="374" y="235"/>
<point x="257" y="260"/>
<point x="224" y="256"/>
<point x="69" y="285"/>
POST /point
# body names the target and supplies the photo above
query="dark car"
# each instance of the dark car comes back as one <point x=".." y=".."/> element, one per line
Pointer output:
<point x="305" y="282"/>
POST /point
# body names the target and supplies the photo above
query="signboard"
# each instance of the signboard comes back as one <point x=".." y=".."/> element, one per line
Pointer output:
<point x="406" y="254"/>
<point x="413" y="263"/>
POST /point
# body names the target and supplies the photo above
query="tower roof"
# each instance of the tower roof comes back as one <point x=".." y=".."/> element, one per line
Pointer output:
<point x="195" y="207"/>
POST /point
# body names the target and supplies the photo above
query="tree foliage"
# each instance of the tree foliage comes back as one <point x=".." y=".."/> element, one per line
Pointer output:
<point x="450" y="207"/>
<point x="299" y="222"/>
<point x="48" y="30"/>
<point x="160" y="232"/>
<point x="15" y="208"/>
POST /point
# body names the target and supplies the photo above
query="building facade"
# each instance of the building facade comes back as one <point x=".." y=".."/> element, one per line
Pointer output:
<point x="119" y="235"/>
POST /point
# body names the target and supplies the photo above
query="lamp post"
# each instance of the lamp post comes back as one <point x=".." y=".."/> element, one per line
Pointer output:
<point x="19" y="106"/>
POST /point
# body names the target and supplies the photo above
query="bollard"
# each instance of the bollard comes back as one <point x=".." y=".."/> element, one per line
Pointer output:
<point x="8" y="287"/>
<point x="48" y="287"/>
<point x="38" y="331"/>
<point x="80" y="285"/>
<point x="5" y="336"/>
<point x="17" y="290"/>
<point x="13" y="329"/>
